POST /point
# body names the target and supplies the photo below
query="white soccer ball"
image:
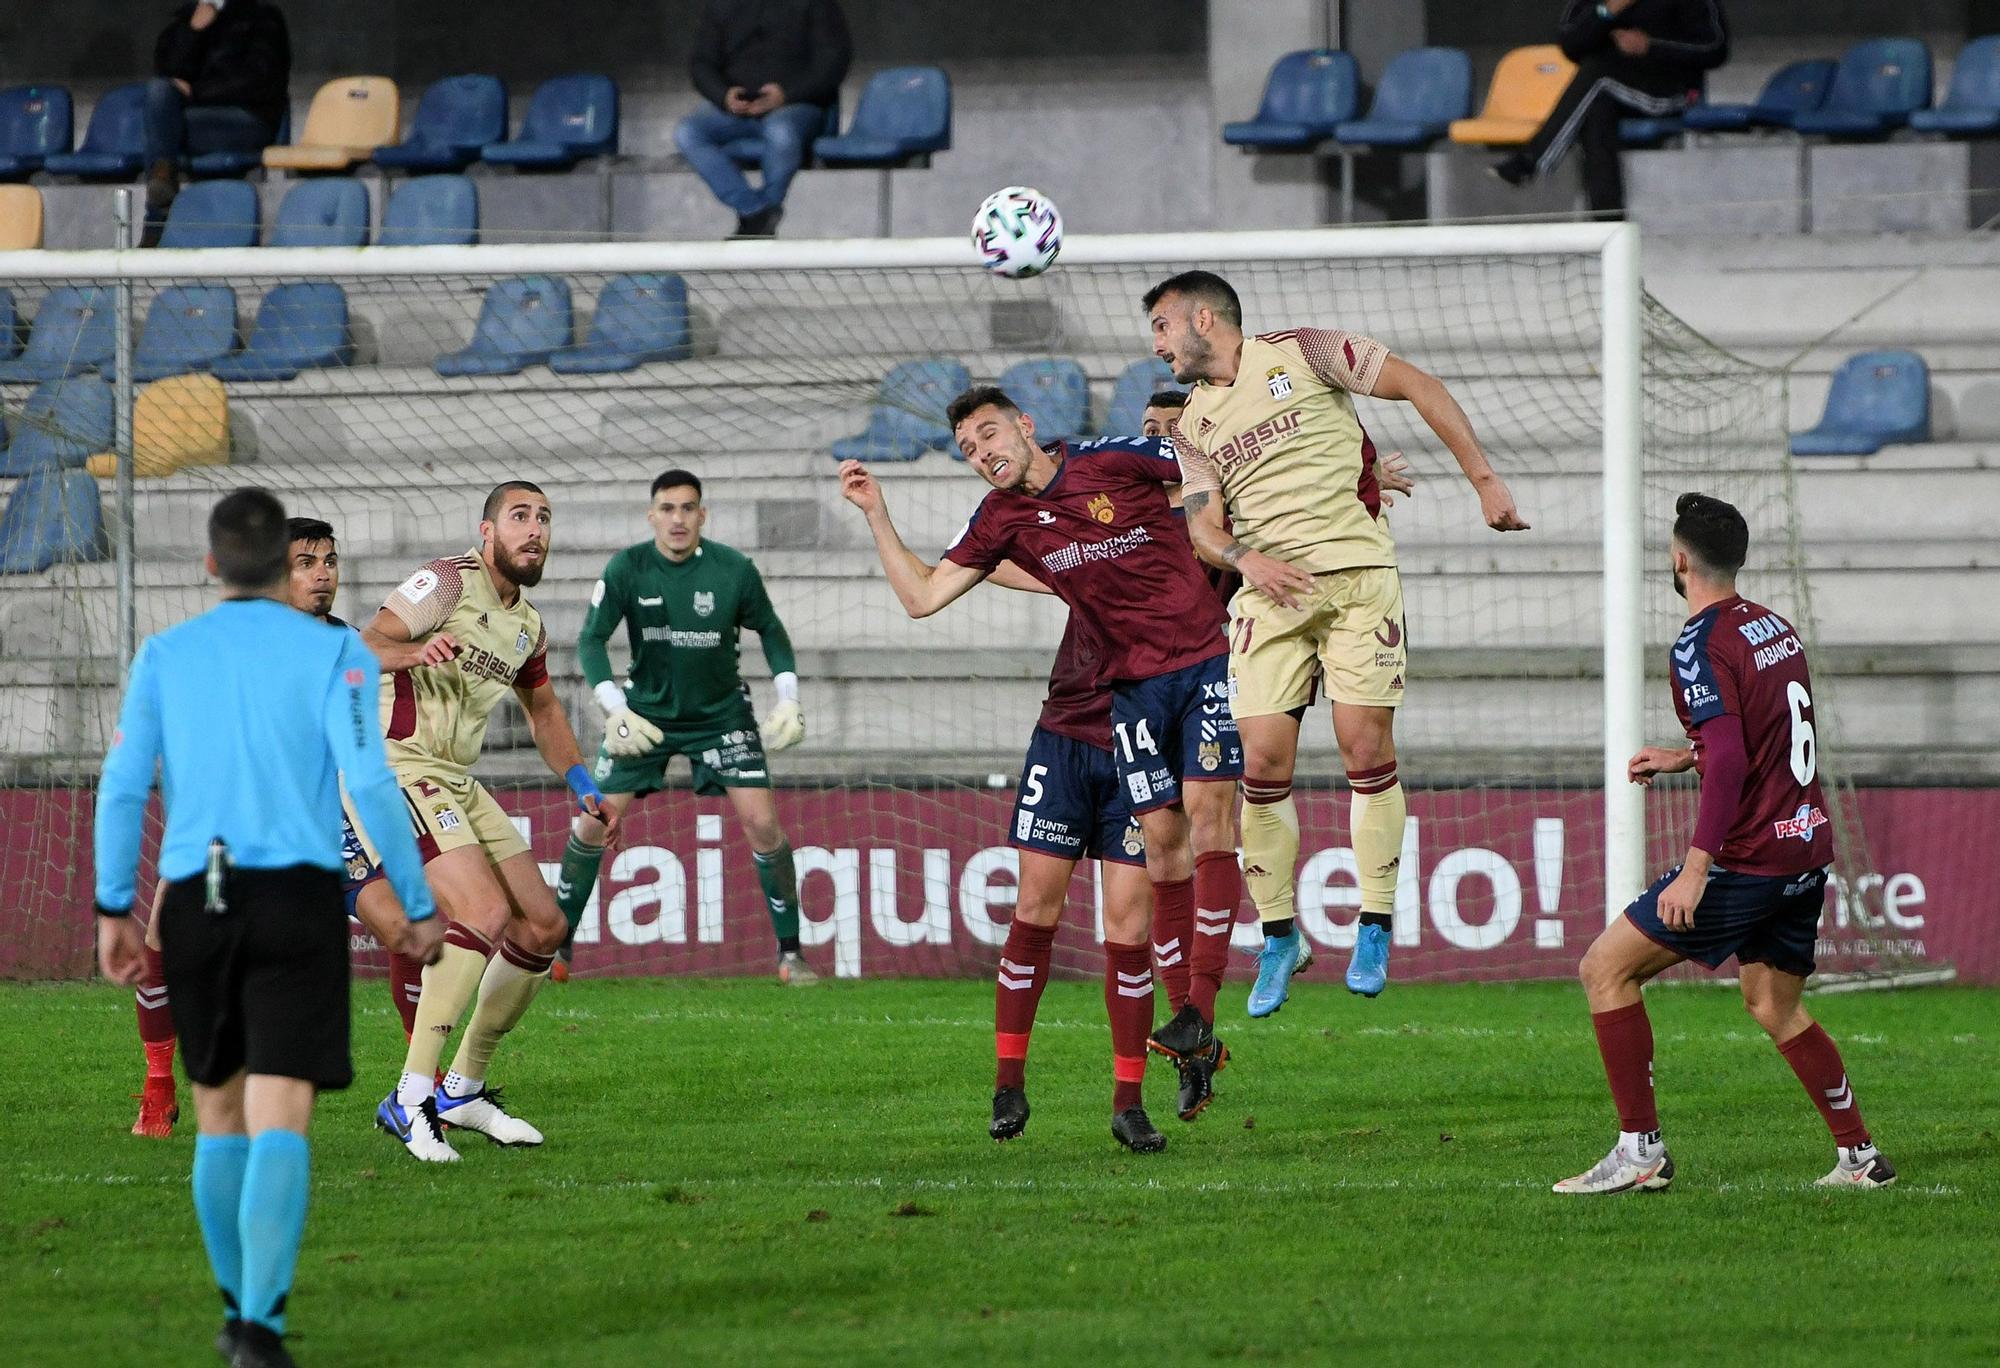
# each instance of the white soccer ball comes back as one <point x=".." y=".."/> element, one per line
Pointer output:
<point x="1018" y="232"/>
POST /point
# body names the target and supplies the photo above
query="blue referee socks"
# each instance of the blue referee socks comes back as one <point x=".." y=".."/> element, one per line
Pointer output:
<point x="271" y="1222"/>
<point x="219" y="1161"/>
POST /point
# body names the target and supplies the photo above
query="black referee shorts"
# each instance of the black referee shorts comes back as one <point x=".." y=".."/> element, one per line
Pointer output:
<point x="261" y="987"/>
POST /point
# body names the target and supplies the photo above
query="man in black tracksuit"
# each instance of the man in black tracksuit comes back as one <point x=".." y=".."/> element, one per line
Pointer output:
<point x="221" y="68"/>
<point x="1645" y="57"/>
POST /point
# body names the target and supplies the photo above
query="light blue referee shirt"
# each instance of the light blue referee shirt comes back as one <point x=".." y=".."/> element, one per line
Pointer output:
<point x="252" y="712"/>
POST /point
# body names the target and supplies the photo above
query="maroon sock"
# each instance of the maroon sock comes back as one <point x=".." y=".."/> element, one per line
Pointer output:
<point x="156" y="1020"/>
<point x="1024" y="972"/>
<point x="406" y="986"/>
<point x="1173" y="928"/>
<point x="1128" y="1001"/>
<point x="1218" y="889"/>
<point x="1816" y="1060"/>
<point x="1625" y="1039"/>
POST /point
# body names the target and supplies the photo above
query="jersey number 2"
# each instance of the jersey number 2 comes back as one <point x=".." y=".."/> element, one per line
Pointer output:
<point x="1805" y="746"/>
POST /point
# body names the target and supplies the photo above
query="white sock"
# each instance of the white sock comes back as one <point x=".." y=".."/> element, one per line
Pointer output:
<point x="1856" y="1156"/>
<point x="457" y="1084"/>
<point x="412" y="1089"/>
<point x="1639" y="1144"/>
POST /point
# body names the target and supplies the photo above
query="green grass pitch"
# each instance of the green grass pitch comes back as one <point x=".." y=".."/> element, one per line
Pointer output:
<point x="738" y="1174"/>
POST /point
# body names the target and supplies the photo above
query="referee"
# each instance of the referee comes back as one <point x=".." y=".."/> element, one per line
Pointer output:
<point x="254" y="713"/>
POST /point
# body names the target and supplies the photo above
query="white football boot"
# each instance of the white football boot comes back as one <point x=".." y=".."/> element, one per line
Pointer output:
<point x="1624" y="1171"/>
<point x="481" y="1111"/>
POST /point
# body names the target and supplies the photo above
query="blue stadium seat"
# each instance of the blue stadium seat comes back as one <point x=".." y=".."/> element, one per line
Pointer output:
<point x="10" y="326"/>
<point x="521" y="322"/>
<point x="212" y="213"/>
<point x="1880" y="83"/>
<point x="36" y="121"/>
<point x="426" y="211"/>
<point x="1420" y="93"/>
<point x="1054" y="392"/>
<point x="298" y="327"/>
<point x="331" y="212"/>
<point x="1309" y="95"/>
<point x="908" y="416"/>
<point x="1136" y="384"/>
<point x="1972" y="104"/>
<point x="903" y="117"/>
<point x="1877" y="398"/>
<point x="64" y="423"/>
<point x="54" y="516"/>
<point x="1792" y="90"/>
<point x="188" y="328"/>
<point x="1649" y="131"/>
<point x="114" y="145"/>
<point x="457" y="116"/>
<point x="569" y="118"/>
<point x="749" y="152"/>
<point x="639" y="318"/>
<point x="73" y="333"/>
<point x="238" y="163"/>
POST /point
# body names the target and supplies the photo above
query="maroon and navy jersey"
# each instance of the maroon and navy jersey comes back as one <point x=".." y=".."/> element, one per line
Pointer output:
<point x="1105" y="538"/>
<point x="1739" y="657"/>
<point x="1077" y="705"/>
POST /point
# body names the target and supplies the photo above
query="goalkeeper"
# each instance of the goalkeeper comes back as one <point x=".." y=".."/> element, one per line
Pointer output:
<point x="683" y="601"/>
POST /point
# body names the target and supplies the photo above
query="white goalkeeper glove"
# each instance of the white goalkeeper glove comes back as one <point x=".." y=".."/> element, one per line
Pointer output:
<point x="785" y="725"/>
<point x="626" y="733"/>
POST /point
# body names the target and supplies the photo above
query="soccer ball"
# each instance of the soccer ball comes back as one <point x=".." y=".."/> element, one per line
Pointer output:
<point x="1018" y="232"/>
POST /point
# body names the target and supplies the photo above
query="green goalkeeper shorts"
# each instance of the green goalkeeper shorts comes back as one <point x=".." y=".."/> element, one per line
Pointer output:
<point x="732" y="757"/>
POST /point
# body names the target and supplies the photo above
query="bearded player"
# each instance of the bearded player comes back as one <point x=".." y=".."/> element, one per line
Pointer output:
<point x="1069" y="806"/>
<point x="1753" y="883"/>
<point x="314" y="560"/>
<point x="1094" y="519"/>
<point x="1280" y="485"/>
<point x="684" y="601"/>
<point x="505" y="925"/>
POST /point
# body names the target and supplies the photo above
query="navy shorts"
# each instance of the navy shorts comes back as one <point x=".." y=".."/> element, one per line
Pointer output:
<point x="1174" y="728"/>
<point x="357" y="872"/>
<point x="1760" y="919"/>
<point x="1070" y="805"/>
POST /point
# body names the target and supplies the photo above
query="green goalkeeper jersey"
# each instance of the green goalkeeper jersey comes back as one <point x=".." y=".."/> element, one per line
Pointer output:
<point x="682" y="622"/>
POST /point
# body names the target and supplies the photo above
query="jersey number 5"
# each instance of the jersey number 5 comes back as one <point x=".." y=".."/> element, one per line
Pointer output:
<point x="1805" y="746"/>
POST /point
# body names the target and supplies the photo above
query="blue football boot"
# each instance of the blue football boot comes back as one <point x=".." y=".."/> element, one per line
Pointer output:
<point x="1281" y="957"/>
<point x="1368" y="971"/>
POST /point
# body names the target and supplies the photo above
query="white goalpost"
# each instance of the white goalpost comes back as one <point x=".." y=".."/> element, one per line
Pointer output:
<point x="1529" y="687"/>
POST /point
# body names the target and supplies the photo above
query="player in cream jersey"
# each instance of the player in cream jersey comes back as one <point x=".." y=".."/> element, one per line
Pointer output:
<point x="505" y="925"/>
<point x="1280" y="483"/>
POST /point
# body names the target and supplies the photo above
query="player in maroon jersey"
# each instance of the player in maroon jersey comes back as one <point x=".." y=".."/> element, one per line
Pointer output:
<point x="1753" y="884"/>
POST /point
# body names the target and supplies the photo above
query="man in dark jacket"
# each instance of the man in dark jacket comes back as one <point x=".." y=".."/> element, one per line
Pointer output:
<point x="770" y="69"/>
<point x="221" y="71"/>
<point x="1644" y="57"/>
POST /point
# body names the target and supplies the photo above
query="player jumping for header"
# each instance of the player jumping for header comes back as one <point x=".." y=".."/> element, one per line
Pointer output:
<point x="1281" y="484"/>
<point x="505" y="925"/>
<point x="683" y="600"/>
<point x="1753" y="884"/>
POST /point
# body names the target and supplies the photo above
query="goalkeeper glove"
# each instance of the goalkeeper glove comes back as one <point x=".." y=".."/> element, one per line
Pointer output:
<point x="785" y="727"/>
<point x="626" y="733"/>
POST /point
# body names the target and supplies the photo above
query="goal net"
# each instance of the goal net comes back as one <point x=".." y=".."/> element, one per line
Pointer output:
<point x="393" y="390"/>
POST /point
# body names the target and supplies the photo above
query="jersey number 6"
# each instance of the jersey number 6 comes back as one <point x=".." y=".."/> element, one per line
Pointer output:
<point x="1805" y="748"/>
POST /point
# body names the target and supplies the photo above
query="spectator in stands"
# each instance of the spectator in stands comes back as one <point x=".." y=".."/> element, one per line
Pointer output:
<point x="770" y="69"/>
<point x="1645" y="56"/>
<point x="221" y="71"/>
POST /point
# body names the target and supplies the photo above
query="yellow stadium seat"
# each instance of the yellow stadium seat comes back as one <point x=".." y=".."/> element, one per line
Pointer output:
<point x="1526" y="86"/>
<point x="180" y="421"/>
<point x="349" y="119"/>
<point x="20" y="218"/>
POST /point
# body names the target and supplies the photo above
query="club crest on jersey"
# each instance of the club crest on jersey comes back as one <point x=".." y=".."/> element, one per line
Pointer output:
<point x="1135" y="839"/>
<point x="704" y="602"/>
<point x="521" y="641"/>
<point x="1801" y="824"/>
<point x="444" y="817"/>
<point x="1279" y="382"/>
<point x="1101" y="508"/>
<point x="1209" y="754"/>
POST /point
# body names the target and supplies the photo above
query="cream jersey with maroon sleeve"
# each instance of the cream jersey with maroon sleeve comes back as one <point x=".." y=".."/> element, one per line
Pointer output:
<point x="434" y="716"/>
<point x="1285" y="451"/>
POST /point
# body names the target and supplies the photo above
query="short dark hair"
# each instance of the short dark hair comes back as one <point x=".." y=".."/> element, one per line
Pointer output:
<point x="674" y="479"/>
<point x="1713" y="532"/>
<point x="498" y="498"/>
<point x="247" y="537"/>
<point x="1172" y="399"/>
<point x="1203" y="287"/>
<point x="975" y="399"/>
<point x="308" y="530"/>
